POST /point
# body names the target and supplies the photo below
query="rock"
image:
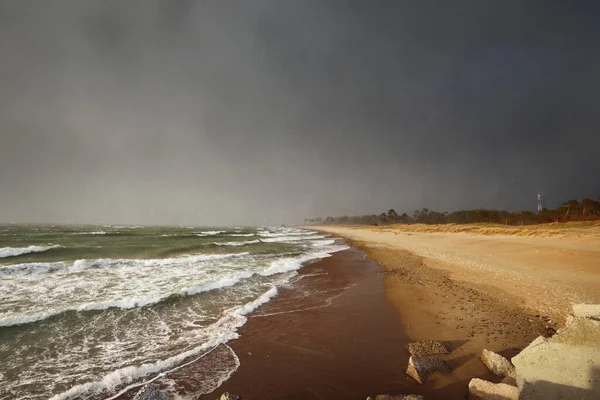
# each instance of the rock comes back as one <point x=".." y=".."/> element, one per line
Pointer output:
<point x="497" y="364"/>
<point x="230" y="396"/>
<point x="427" y="347"/>
<point x="151" y="392"/>
<point x="510" y="380"/>
<point x="485" y="390"/>
<point x="587" y="311"/>
<point x="565" y="366"/>
<point x="396" y="397"/>
<point x="421" y="368"/>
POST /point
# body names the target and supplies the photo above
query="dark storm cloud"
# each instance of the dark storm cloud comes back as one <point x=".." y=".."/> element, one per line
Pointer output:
<point x="218" y="112"/>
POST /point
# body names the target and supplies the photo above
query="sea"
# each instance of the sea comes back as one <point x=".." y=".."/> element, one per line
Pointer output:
<point x="87" y="312"/>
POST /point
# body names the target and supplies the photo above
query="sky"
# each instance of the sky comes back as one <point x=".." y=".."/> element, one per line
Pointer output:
<point x="259" y="112"/>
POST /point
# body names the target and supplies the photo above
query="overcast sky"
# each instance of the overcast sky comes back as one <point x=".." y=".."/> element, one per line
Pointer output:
<point x="266" y="112"/>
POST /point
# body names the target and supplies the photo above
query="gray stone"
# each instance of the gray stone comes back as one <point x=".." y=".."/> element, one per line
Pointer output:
<point x="151" y="392"/>
<point x="230" y="396"/>
<point x="566" y="366"/>
<point x="497" y="364"/>
<point x="421" y="368"/>
<point x="485" y="390"/>
<point x="396" y="397"/>
<point x="427" y="347"/>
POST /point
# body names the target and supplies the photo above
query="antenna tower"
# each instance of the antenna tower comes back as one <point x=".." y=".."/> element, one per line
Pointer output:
<point x="539" y="201"/>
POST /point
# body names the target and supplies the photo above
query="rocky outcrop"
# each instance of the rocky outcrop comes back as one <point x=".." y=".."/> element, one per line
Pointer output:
<point x="565" y="366"/>
<point x="230" y="396"/>
<point x="497" y="364"/>
<point x="396" y="397"/>
<point x="428" y="347"/>
<point x="485" y="390"/>
<point x="151" y="392"/>
<point x="421" y="368"/>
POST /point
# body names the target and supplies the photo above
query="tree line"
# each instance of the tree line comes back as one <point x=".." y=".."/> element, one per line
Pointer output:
<point x="572" y="210"/>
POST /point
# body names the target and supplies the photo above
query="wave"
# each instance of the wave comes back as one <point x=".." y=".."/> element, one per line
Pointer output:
<point x="128" y="303"/>
<point x="17" y="251"/>
<point x="237" y="243"/>
<point x="286" y="233"/>
<point x="209" y="233"/>
<point x="288" y="264"/>
<point x="222" y="331"/>
<point x="90" y="233"/>
<point x="278" y="266"/>
<point x="81" y="265"/>
<point x="283" y="239"/>
<point x="242" y="234"/>
<point x="31" y="268"/>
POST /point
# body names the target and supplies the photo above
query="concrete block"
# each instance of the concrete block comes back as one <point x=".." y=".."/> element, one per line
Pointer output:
<point x="485" y="390"/>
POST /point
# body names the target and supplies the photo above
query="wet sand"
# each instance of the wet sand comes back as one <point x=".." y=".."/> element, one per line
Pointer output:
<point x="332" y="335"/>
<point x="348" y="343"/>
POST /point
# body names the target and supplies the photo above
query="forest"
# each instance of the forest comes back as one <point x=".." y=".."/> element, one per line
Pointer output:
<point x="586" y="209"/>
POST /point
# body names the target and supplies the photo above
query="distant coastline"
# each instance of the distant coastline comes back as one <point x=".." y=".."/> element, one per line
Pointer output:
<point x="587" y="209"/>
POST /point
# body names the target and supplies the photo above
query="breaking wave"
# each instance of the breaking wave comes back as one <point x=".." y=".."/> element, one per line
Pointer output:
<point x="222" y="331"/>
<point x="81" y="265"/>
<point x="237" y="243"/>
<point x="17" y="251"/>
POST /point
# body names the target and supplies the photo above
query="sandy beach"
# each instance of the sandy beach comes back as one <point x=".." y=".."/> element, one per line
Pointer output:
<point x="542" y="269"/>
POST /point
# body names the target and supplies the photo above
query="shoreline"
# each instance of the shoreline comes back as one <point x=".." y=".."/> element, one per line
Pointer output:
<point x="340" y="330"/>
<point x="425" y="304"/>
<point x="340" y="339"/>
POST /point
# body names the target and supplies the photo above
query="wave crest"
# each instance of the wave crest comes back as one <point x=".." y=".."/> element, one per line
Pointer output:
<point x="17" y="251"/>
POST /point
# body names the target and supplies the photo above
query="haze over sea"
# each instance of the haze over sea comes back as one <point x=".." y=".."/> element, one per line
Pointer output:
<point x="88" y="310"/>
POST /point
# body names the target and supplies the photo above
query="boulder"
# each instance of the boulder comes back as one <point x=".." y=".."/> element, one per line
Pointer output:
<point x="421" y="368"/>
<point x="428" y="347"/>
<point x="565" y="366"/>
<point x="396" y="397"/>
<point x="485" y="390"/>
<point x="497" y="364"/>
<point x="587" y="311"/>
<point x="230" y="396"/>
<point x="151" y="392"/>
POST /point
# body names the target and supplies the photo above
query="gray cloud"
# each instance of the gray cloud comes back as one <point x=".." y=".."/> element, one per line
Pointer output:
<point x="233" y="112"/>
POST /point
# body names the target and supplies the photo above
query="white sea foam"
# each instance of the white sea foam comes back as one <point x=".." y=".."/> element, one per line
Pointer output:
<point x="27" y="319"/>
<point x="286" y="238"/>
<point x="143" y="297"/>
<point x="210" y="233"/>
<point x="221" y="332"/>
<point x="243" y="243"/>
<point x="242" y="234"/>
<point x="126" y="303"/>
<point x="80" y="265"/>
<point x="287" y="264"/>
<point x="220" y="284"/>
<point x="31" y="268"/>
<point x="17" y="251"/>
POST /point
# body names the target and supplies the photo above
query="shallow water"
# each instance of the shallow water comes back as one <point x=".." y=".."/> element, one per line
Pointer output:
<point x="86" y="311"/>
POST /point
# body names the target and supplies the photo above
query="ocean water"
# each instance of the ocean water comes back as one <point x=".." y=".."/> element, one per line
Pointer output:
<point x="87" y="311"/>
